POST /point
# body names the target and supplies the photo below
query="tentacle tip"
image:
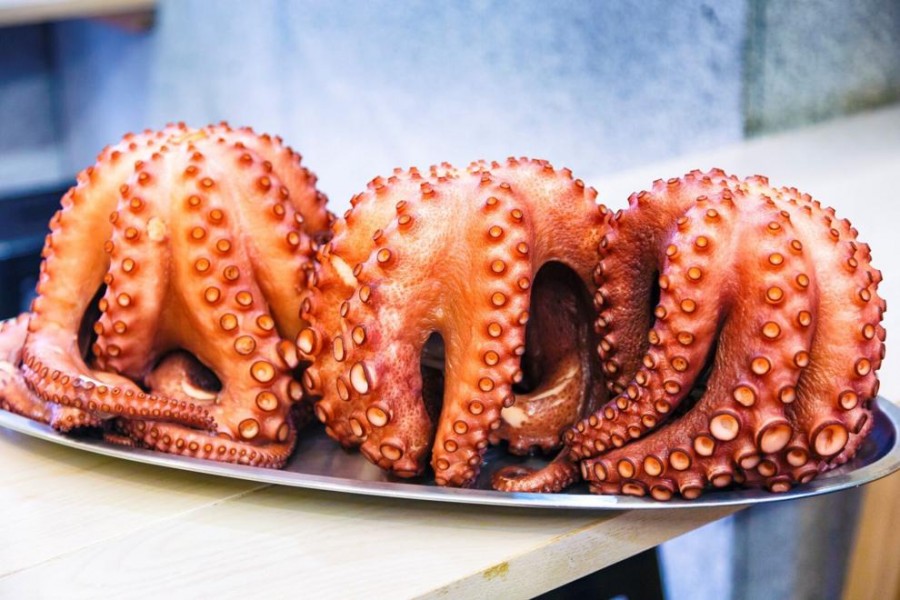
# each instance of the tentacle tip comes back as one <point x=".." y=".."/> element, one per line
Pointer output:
<point x="512" y="478"/>
<point x="553" y="478"/>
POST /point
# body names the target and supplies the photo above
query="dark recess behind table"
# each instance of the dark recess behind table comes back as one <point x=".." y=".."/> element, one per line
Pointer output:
<point x="23" y="227"/>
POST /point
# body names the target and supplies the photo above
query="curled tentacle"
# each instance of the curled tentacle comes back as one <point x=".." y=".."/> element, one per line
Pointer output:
<point x="695" y="292"/>
<point x="556" y="476"/>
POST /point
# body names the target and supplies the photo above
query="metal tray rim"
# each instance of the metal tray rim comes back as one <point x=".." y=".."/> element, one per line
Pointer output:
<point x="887" y="422"/>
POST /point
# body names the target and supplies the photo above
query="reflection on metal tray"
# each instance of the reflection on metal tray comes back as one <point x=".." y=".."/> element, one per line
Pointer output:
<point x="321" y="464"/>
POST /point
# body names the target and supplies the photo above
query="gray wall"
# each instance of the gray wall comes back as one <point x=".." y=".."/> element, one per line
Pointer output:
<point x="813" y="60"/>
<point x="596" y="86"/>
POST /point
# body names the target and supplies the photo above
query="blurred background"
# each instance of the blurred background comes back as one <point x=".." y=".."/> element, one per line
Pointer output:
<point x="370" y="85"/>
<point x="359" y="87"/>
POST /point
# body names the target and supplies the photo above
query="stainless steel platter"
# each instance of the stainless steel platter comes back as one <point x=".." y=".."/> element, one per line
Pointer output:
<point x="321" y="464"/>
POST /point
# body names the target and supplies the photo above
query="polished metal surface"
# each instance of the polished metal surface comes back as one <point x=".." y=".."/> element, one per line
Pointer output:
<point x="321" y="464"/>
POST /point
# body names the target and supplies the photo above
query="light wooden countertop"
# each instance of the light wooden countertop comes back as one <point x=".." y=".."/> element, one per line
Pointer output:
<point x="77" y="525"/>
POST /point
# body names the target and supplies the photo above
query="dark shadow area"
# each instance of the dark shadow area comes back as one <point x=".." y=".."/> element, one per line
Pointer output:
<point x="23" y="227"/>
<point x="635" y="578"/>
<point x="432" y="368"/>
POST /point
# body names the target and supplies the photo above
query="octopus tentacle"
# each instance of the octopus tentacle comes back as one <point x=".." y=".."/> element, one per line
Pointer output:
<point x="558" y="353"/>
<point x="14" y="393"/>
<point x="135" y="289"/>
<point x="558" y="475"/>
<point x="481" y="371"/>
<point x="176" y="439"/>
<point x="336" y="286"/>
<point x="270" y="222"/>
<point x="178" y="376"/>
<point x="694" y="294"/>
<point x="349" y="246"/>
<point x="629" y="263"/>
<point x="366" y="363"/>
<point x="834" y="393"/>
<point x="298" y="183"/>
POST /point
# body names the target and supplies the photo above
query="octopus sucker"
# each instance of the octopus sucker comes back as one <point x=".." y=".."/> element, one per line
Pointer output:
<point x="788" y="353"/>
<point x="380" y="273"/>
<point x="177" y="439"/>
<point x="199" y="241"/>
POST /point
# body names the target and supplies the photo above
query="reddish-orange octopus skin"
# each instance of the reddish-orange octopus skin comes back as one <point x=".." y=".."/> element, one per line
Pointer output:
<point x="737" y="327"/>
<point x="202" y="238"/>
<point x="14" y="393"/>
<point x="768" y="290"/>
<point x="456" y="253"/>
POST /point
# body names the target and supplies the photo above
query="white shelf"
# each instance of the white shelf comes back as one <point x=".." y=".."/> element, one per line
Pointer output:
<point x="24" y="12"/>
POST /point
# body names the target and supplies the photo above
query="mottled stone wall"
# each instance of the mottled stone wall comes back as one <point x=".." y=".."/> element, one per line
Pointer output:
<point x="104" y="84"/>
<point x="595" y="86"/>
<point x="813" y="60"/>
